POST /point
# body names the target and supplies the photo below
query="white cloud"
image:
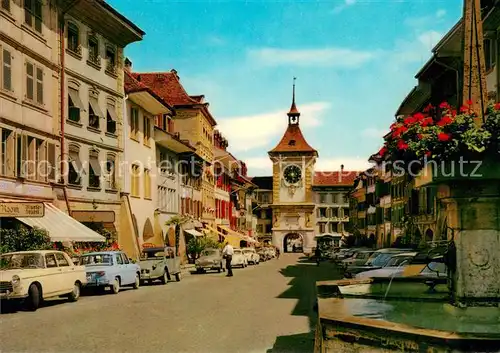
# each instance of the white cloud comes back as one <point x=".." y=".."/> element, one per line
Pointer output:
<point x="339" y="8"/>
<point x="328" y="57"/>
<point x="440" y="13"/>
<point x="215" y="40"/>
<point x="373" y="132"/>
<point x="249" y="132"/>
<point x="262" y="166"/>
<point x="430" y="38"/>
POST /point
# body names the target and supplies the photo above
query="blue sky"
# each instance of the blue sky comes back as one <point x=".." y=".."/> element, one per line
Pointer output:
<point x="354" y="61"/>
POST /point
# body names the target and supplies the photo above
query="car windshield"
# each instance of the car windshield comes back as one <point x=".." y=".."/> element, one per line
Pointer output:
<point x="398" y="260"/>
<point x="148" y="255"/>
<point x="237" y="252"/>
<point x="209" y="253"/>
<point x="380" y="260"/>
<point x="25" y="260"/>
<point x="96" y="259"/>
<point x="247" y="251"/>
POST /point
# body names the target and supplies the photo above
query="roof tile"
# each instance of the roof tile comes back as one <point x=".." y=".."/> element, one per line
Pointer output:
<point x="335" y="178"/>
<point x="293" y="141"/>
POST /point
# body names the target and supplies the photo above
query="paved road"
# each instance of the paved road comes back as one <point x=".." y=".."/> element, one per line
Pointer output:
<point x="266" y="308"/>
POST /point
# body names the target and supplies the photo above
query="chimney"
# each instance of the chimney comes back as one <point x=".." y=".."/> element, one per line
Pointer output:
<point x="174" y="71"/>
<point x="128" y="65"/>
<point x="341" y="167"/>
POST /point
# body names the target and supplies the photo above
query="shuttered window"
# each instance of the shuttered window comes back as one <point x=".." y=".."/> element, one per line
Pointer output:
<point x="34" y="83"/>
<point x="51" y="161"/>
<point x="6" y="70"/>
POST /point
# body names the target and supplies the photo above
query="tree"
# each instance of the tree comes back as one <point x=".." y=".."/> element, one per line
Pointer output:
<point x="22" y="238"/>
<point x="177" y="222"/>
<point x="196" y="245"/>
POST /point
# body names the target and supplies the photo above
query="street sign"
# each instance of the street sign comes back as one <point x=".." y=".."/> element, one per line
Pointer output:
<point x="22" y="209"/>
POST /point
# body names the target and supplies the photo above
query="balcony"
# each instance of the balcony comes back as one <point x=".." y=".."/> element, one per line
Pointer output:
<point x="171" y="141"/>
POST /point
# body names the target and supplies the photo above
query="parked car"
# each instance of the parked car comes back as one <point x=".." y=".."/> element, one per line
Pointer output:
<point x="239" y="259"/>
<point x="110" y="269"/>
<point x="262" y="255"/>
<point x="251" y="256"/>
<point x="159" y="264"/>
<point x="31" y="276"/>
<point x="359" y="258"/>
<point x="377" y="260"/>
<point x="210" y="259"/>
<point x="270" y="253"/>
<point x="395" y="265"/>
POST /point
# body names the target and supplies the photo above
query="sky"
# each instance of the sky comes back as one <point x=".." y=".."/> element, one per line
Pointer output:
<point x="354" y="60"/>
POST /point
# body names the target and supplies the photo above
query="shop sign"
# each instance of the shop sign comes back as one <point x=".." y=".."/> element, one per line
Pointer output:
<point x="22" y="209"/>
<point x="94" y="216"/>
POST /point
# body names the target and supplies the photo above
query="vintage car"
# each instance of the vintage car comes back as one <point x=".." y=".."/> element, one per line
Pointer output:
<point x="210" y="259"/>
<point x="358" y="259"/>
<point x="239" y="260"/>
<point x="159" y="263"/>
<point x="262" y="255"/>
<point x="32" y="276"/>
<point x="251" y="256"/>
<point x="377" y="260"/>
<point x="111" y="269"/>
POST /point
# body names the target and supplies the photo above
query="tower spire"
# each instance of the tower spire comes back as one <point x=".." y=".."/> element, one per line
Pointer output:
<point x="293" y="114"/>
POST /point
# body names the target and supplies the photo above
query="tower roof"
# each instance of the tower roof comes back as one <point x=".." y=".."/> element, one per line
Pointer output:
<point x="293" y="141"/>
<point x="293" y="109"/>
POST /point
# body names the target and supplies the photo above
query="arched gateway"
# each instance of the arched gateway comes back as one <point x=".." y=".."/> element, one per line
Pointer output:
<point x="293" y="242"/>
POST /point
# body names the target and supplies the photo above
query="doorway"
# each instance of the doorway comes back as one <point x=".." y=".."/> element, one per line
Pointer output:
<point x="293" y="242"/>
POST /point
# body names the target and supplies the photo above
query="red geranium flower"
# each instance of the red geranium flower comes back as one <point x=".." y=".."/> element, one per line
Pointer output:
<point x="454" y="112"/>
<point x="444" y="105"/>
<point x="428" y="108"/>
<point x="442" y="136"/>
<point x="420" y="136"/>
<point x="426" y="122"/>
<point x="409" y="120"/>
<point x="419" y="117"/>
<point x="469" y="102"/>
<point x="428" y="153"/>
<point x="445" y="120"/>
<point x="402" y="145"/>
<point x="497" y="106"/>
<point x="382" y="151"/>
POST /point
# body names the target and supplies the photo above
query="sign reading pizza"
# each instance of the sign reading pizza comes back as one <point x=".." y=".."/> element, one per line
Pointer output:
<point x="149" y="245"/>
<point x="22" y="209"/>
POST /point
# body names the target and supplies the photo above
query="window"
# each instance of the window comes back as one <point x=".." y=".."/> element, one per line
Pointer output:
<point x="119" y="259"/>
<point x="50" y="260"/>
<point x="75" y="166"/>
<point x="33" y="14"/>
<point x="322" y="212"/>
<point x="147" y="184"/>
<point x="34" y="83"/>
<point x="110" y="60"/>
<point x="94" y="170"/>
<point x="61" y="260"/>
<point x="21" y="155"/>
<point x="334" y="227"/>
<point x="322" y="198"/>
<point x="7" y="153"/>
<point x="94" y="112"/>
<point x="74" y="38"/>
<point x="489" y="53"/>
<point x="6" y="70"/>
<point x="322" y="227"/>
<point x="134" y="123"/>
<point x="135" y="179"/>
<point x="111" y="172"/>
<point x="93" y="47"/>
<point x="6" y="5"/>
<point x="147" y="130"/>
<point x="51" y="162"/>
<point x="346" y="212"/>
<point x="35" y="155"/>
<point x="125" y="259"/>
<point x="75" y="105"/>
<point x="111" y="119"/>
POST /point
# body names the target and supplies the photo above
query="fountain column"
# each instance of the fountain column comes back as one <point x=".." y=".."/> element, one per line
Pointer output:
<point x="472" y="210"/>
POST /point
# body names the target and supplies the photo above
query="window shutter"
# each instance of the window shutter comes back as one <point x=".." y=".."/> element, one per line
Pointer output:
<point x="29" y="80"/>
<point x="51" y="159"/>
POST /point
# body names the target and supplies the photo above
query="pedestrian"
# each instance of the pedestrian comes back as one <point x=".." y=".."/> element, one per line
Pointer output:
<point x="317" y="254"/>
<point x="227" y="254"/>
<point x="293" y="248"/>
<point x="277" y="253"/>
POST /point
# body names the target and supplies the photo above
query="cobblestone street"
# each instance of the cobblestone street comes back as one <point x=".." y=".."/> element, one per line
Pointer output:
<point x="264" y="308"/>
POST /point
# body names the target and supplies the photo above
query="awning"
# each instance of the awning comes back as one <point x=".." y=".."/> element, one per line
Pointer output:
<point x="75" y="98"/>
<point x="112" y="112"/>
<point x="241" y="236"/>
<point x="193" y="232"/>
<point x="62" y="227"/>
<point x="209" y="229"/>
<point x="95" y="106"/>
<point x="94" y="163"/>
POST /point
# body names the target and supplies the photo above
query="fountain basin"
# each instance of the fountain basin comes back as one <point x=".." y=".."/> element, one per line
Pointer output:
<point x="355" y="317"/>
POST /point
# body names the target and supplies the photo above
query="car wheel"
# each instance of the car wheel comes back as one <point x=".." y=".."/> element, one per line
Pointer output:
<point x="178" y="277"/>
<point x="219" y="270"/>
<point x="33" y="300"/>
<point x="115" y="287"/>
<point x="75" y="294"/>
<point x="137" y="282"/>
<point x="164" y="278"/>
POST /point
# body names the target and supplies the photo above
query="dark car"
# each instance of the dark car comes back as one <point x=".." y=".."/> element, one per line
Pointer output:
<point x="377" y="260"/>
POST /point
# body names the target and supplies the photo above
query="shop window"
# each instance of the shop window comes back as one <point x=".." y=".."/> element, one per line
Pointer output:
<point x="94" y="170"/>
<point x="33" y="14"/>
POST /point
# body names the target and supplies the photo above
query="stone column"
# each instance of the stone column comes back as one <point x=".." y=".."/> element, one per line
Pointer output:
<point x="472" y="209"/>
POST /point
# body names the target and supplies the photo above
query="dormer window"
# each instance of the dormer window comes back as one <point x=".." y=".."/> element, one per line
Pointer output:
<point x="291" y="143"/>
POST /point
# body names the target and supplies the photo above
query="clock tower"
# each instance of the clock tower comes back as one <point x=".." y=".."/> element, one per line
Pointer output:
<point x="293" y="170"/>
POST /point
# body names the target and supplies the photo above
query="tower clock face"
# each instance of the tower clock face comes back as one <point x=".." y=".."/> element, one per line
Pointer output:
<point x="292" y="174"/>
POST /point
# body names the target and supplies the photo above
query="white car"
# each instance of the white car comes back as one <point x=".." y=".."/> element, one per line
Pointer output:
<point x="251" y="256"/>
<point x="32" y="276"/>
<point x="239" y="259"/>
